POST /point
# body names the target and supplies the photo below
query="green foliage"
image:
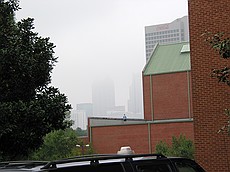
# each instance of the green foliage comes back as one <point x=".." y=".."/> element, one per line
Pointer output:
<point x="163" y="148"/>
<point x="226" y="127"/>
<point x="181" y="147"/>
<point x="29" y="107"/>
<point x="61" y="144"/>
<point x="58" y="144"/>
<point x="221" y="42"/>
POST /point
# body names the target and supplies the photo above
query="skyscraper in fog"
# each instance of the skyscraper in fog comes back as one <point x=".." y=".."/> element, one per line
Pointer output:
<point x="87" y="108"/>
<point x="80" y="116"/>
<point x="79" y="119"/>
<point x="103" y="97"/>
<point x="176" y="31"/>
<point x="135" y="106"/>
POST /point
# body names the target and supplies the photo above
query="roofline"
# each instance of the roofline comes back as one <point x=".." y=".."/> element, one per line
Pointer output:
<point x="167" y="72"/>
<point x="154" y="48"/>
<point x="130" y="119"/>
<point x="146" y="122"/>
<point x="167" y="22"/>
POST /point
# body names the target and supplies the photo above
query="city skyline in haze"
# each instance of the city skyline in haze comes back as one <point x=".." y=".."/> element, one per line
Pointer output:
<point x="98" y="38"/>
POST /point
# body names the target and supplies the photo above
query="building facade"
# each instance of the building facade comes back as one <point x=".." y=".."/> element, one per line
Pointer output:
<point x="135" y="102"/>
<point x="176" y="31"/>
<point x="210" y="98"/>
<point x="87" y="108"/>
<point x="167" y="83"/>
<point x="107" y="135"/>
<point x="167" y="106"/>
<point x="79" y="119"/>
<point x="103" y="97"/>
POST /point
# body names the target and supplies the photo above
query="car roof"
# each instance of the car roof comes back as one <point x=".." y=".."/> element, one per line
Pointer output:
<point x="15" y="166"/>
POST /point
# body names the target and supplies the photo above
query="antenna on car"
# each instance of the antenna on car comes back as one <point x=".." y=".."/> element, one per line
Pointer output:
<point x="125" y="150"/>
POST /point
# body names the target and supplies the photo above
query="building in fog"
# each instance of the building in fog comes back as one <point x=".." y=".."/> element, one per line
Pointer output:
<point x="176" y="31"/>
<point x="87" y="108"/>
<point x="73" y="117"/>
<point x="168" y="112"/>
<point x="135" y="105"/>
<point x="79" y="118"/>
<point x="116" y="112"/>
<point x="103" y="97"/>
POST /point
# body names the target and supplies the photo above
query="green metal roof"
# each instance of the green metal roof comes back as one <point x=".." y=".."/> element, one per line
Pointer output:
<point x="168" y="59"/>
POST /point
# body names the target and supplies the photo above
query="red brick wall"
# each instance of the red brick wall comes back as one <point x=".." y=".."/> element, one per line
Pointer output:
<point x="169" y="96"/>
<point x="147" y="97"/>
<point x="166" y="131"/>
<point x="109" y="139"/>
<point x="210" y="98"/>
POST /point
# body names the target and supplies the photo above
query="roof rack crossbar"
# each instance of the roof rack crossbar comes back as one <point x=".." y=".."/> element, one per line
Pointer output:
<point x="95" y="159"/>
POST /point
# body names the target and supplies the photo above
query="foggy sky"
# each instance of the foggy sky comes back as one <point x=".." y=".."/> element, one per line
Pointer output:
<point x="98" y="38"/>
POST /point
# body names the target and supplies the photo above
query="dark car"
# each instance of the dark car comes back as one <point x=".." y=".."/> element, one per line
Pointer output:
<point x="108" y="163"/>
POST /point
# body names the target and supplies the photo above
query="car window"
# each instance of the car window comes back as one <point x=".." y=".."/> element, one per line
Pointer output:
<point x="154" y="168"/>
<point x="188" y="167"/>
<point x="184" y="168"/>
<point x="110" y="167"/>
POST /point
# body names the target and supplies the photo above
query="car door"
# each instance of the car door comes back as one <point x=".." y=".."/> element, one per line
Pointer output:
<point x="154" y="165"/>
<point x="186" y="165"/>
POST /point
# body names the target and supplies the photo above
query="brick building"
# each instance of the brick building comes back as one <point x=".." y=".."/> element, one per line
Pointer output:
<point x="210" y="98"/>
<point x="205" y="111"/>
<point x="167" y="83"/>
<point x="107" y="135"/>
<point x="167" y="106"/>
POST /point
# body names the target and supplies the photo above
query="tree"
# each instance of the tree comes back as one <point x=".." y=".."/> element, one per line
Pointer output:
<point x="29" y="107"/>
<point x="221" y="43"/>
<point x="58" y="144"/>
<point x="181" y="147"/>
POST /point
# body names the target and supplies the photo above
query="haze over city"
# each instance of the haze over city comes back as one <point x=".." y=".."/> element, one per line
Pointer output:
<point x="98" y="39"/>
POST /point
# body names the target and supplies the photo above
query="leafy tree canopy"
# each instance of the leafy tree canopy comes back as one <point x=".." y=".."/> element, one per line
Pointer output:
<point x="180" y="147"/>
<point x="61" y="144"/>
<point x="221" y="43"/>
<point x="57" y="144"/>
<point x="29" y="107"/>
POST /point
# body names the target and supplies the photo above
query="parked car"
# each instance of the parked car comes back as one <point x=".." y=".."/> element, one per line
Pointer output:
<point x="108" y="163"/>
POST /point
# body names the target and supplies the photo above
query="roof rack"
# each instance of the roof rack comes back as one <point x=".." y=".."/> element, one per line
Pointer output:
<point x="94" y="159"/>
<point x="21" y="164"/>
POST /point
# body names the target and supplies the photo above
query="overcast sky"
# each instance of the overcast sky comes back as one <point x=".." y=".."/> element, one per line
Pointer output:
<point x="98" y="38"/>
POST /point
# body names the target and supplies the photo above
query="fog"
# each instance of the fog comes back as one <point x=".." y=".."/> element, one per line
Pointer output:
<point x="98" y="39"/>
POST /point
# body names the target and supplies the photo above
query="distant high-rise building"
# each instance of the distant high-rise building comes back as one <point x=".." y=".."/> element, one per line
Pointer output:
<point x="135" y="97"/>
<point x="87" y="107"/>
<point x="176" y="31"/>
<point x="73" y="116"/>
<point x="103" y="97"/>
<point x="79" y="118"/>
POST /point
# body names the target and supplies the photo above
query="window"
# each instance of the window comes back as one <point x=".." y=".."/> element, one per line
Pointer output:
<point x="188" y="166"/>
<point x="184" y="168"/>
<point x="116" y="167"/>
<point x="154" y="168"/>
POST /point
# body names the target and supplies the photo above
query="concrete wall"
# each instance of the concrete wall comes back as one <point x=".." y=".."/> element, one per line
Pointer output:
<point x="210" y="98"/>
